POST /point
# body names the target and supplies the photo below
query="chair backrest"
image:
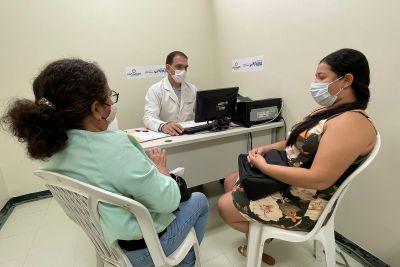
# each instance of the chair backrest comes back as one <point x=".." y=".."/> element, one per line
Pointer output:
<point x="330" y="209"/>
<point x="80" y="201"/>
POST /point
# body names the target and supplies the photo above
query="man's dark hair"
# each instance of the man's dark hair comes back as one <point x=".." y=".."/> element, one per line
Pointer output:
<point x="172" y="55"/>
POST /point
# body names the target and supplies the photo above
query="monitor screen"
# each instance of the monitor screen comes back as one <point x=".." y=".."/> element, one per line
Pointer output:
<point x="215" y="104"/>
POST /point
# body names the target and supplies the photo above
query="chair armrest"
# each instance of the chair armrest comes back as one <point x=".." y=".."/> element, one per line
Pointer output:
<point x="178" y="171"/>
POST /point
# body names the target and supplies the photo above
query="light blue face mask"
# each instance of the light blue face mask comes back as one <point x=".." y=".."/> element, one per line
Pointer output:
<point x="321" y="95"/>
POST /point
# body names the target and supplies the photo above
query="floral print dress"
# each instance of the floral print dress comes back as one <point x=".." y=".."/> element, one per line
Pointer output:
<point x="295" y="208"/>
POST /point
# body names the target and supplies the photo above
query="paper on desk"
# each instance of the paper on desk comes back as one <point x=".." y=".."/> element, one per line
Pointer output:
<point x="187" y="124"/>
<point x="144" y="134"/>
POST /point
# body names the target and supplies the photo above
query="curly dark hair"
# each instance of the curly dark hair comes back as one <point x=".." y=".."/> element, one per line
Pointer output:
<point x="341" y="62"/>
<point x="64" y="92"/>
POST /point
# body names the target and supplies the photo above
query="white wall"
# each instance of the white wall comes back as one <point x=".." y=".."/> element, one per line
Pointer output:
<point x="4" y="196"/>
<point x="293" y="36"/>
<point x="116" y="34"/>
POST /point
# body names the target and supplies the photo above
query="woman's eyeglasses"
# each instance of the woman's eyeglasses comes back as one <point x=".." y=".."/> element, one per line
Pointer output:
<point x="114" y="96"/>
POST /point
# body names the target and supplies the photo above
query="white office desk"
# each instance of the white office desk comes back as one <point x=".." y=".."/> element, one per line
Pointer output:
<point x="210" y="156"/>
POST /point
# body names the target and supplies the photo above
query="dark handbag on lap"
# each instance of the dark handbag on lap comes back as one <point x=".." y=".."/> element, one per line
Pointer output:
<point x="256" y="184"/>
<point x="185" y="193"/>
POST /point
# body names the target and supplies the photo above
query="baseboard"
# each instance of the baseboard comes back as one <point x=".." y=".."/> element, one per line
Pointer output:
<point x="358" y="253"/>
<point x="353" y="250"/>
<point x="6" y="211"/>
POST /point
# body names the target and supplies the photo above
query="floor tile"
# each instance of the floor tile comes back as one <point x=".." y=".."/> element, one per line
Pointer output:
<point x="53" y="236"/>
<point x="290" y="253"/>
<point x="209" y="248"/>
<point x="31" y="207"/>
<point x="352" y="262"/>
<point x="15" y="247"/>
<point x="237" y="260"/>
<point x="219" y="261"/>
<point x="55" y="214"/>
<point x="22" y="224"/>
<point x="50" y="238"/>
<point x="85" y="253"/>
<point x="57" y="256"/>
<point x="227" y="239"/>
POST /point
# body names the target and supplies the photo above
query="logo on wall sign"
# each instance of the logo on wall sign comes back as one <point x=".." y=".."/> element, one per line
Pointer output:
<point x="133" y="73"/>
<point x="156" y="71"/>
<point x="138" y="72"/>
<point x="248" y="64"/>
<point x="161" y="70"/>
<point x="236" y="66"/>
<point x="256" y="63"/>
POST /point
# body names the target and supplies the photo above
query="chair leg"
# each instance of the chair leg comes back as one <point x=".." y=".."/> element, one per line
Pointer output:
<point x="318" y="251"/>
<point x="255" y="245"/>
<point x="197" y="254"/>
<point x="327" y="238"/>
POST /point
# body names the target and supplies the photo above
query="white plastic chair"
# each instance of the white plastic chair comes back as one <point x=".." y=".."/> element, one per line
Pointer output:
<point x="323" y="231"/>
<point x="81" y="201"/>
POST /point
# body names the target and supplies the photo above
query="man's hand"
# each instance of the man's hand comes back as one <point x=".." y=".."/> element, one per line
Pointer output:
<point x="172" y="128"/>
<point x="159" y="158"/>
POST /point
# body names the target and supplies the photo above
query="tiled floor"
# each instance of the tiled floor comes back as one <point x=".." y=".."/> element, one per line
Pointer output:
<point x="39" y="234"/>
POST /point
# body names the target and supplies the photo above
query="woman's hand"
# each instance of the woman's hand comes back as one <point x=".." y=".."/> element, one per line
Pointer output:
<point x="256" y="161"/>
<point x="258" y="150"/>
<point x="159" y="158"/>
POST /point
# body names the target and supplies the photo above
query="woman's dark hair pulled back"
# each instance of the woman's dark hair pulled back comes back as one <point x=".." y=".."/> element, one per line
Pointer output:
<point x="64" y="92"/>
<point x="342" y="62"/>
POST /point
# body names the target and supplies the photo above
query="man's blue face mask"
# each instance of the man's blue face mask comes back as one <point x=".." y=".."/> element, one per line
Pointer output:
<point x="321" y="95"/>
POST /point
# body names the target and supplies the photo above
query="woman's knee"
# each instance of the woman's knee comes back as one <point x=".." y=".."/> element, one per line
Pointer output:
<point x="230" y="181"/>
<point x="223" y="205"/>
<point x="200" y="199"/>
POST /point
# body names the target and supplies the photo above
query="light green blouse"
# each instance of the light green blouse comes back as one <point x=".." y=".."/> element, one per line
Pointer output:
<point x="114" y="161"/>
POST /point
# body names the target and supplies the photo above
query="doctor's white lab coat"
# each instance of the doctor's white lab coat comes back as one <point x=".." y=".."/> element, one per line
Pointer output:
<point x="162" y="105"/>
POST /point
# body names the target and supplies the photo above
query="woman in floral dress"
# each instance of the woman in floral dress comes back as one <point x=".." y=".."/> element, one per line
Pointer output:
<point x="322" y="150"/>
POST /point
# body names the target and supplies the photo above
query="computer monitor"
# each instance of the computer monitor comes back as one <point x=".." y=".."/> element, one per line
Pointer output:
<point x="217" y="105"/>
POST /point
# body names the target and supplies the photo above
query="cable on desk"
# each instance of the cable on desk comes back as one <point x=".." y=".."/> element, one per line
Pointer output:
<point x="251" y="141"/>
<point x="248" y="142"/>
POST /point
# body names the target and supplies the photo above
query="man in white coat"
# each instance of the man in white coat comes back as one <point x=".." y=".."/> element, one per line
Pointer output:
<point x="172" y="99"/>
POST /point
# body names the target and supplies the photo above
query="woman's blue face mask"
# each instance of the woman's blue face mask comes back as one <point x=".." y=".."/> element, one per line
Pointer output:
<point x="321" y="95"/>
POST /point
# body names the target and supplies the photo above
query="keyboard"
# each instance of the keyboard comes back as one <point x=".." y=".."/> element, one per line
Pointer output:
<point x="198" y="128"/>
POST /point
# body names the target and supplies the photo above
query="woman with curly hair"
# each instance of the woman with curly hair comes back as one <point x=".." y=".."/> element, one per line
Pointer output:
<point x="65" y="127"/>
